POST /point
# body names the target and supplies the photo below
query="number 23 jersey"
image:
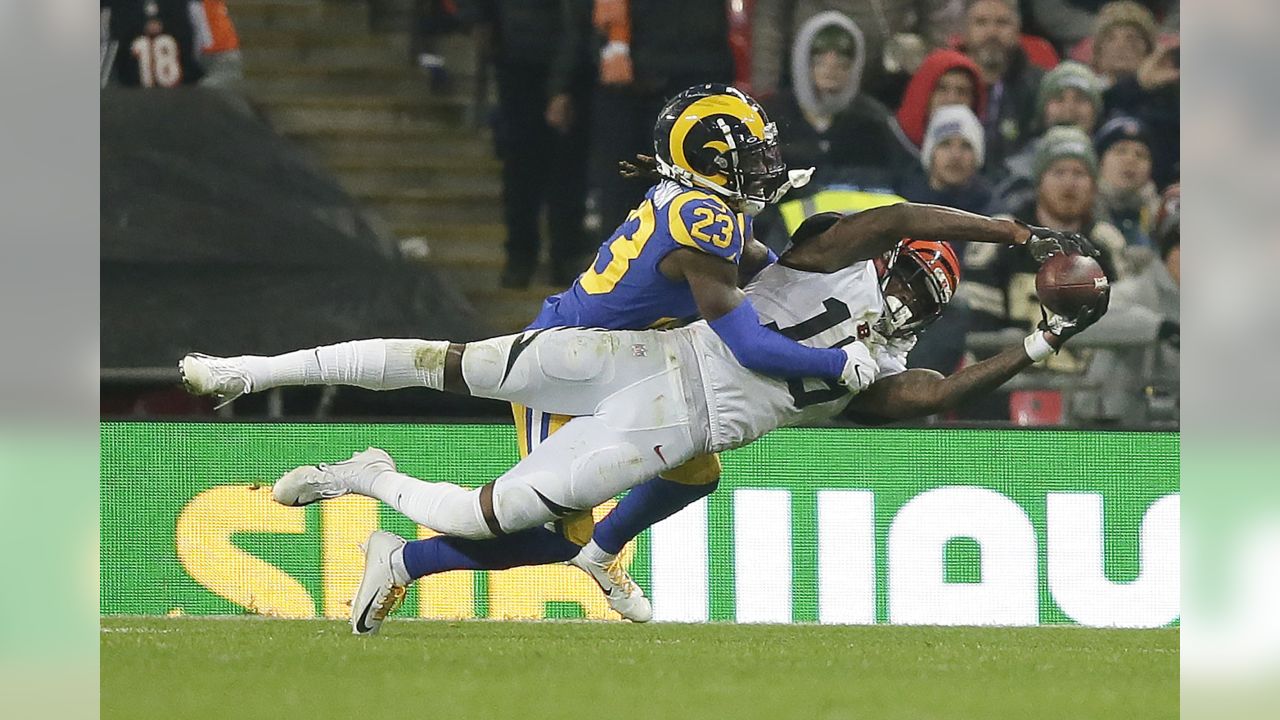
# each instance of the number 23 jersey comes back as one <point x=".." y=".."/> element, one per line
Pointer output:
<point x="624" y="289"/>
<point x="821" y="310"/>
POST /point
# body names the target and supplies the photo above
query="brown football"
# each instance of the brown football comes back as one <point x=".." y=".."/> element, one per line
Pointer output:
<point x="1067" y="283"/>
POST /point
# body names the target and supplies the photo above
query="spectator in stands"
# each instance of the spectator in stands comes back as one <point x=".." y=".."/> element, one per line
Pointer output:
<point x="648" y="51"/>
<point x="1067" y="22"/>
<point x="999" y="286"/>
<point x="1126" y="193"/>
<point x="898" y="34"/>
<point x="823" y="120"/>
<point x="1070" y="95"/>
<point x="954" y="150"/>
<point x="992" y="39"/>
<point x="544" y="76"/>
<point x="946" y="77"/>
<point x="1153" y="95"/>
<point x="170" y="43"/>
<point x="1000" y="281"/>
<point x="1138" y="382"/>
<point x="1126" y="34"/>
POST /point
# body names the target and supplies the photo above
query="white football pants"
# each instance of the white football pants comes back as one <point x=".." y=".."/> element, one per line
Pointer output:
<point x="632" y="423"/>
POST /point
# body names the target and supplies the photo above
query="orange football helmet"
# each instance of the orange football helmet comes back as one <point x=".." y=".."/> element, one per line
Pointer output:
<point x="927" y="273"/>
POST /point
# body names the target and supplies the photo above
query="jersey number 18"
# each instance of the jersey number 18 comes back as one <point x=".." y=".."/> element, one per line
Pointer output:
<point x="159" y="61"/>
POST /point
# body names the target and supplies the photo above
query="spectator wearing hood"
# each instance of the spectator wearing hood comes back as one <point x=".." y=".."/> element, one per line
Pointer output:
<point x="824" y="120"/>
<point x="954" y="150"/>
<point x="898" y="33"/>
<point x="946" y="77"/>
<point x="1070" y="95"/>
<point x="1126" y="192"/>
<point x="993" y="39"/>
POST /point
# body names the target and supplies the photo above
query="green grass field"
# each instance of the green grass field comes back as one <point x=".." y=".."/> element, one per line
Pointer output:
<point x="248" y="668"/>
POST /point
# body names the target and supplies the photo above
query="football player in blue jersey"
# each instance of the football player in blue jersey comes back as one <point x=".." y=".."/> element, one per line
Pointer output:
<point x="676" y="257"/>
<point x="680" y="254"/>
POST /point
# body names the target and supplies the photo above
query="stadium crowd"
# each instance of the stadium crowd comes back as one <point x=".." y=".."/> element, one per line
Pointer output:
<point x="1061" y="113"/>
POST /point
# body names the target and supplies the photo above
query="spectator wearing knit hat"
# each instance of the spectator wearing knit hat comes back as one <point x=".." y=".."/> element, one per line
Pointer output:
<point x="954" y="149"/>
<point x="992" y="39"/>
<point x="1125" y="35"/>
<point x="1001" y="279"/>
<point x="1126" y="192"/>
<point x="999" y="290"/>
<point x="1068" y="22"/>
<point x="946" y="77"/>
<point x="1153" y="95"/>
<point x="1070" y="95"/>
<point x="953" y="152"/>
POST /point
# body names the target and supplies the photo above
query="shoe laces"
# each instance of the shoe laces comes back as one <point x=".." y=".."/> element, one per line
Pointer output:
<point x="619" y="577"/>
<point x="395" y="596"/>
<point x="230" y="370"/>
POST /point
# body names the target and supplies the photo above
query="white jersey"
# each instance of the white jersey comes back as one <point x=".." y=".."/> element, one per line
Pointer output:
<point x="820" y="310"/>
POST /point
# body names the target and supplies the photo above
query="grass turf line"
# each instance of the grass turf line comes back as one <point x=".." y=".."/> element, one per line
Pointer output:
<point x="250" y="668"/>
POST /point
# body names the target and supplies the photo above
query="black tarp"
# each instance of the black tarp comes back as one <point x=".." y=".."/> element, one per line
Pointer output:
<point x="219" y="236"/>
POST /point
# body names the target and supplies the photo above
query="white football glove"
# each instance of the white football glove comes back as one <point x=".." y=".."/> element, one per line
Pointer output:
<point x="860" y="369"/>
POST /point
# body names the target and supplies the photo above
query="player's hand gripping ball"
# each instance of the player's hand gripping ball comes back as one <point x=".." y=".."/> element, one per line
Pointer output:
<point x="1068" y="283"/>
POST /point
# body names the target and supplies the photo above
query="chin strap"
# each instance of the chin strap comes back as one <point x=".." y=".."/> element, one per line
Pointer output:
<point x="795" y="179"/>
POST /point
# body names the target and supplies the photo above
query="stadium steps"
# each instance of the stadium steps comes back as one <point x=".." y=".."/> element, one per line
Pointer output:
<point x="336" y="79"/>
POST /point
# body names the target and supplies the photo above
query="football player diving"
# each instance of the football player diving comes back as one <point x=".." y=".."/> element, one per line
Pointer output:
<point x="646" y="402"/>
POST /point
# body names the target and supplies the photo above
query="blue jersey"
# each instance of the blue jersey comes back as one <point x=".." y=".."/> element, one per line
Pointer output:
<point x="623" y="289"/>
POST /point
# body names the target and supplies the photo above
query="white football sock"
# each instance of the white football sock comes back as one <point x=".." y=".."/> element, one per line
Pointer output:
<point x="441" y="506"/>
<point x="371" y="364"/>
<point x="594" y="553"/>
<point x="399" y="573"/>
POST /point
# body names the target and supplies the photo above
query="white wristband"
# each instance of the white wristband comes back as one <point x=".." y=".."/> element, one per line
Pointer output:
<point x="615" y="47"/>
<point x="1037" y="347"/>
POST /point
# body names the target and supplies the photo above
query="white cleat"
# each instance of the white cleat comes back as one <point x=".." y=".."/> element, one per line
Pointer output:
<point x="224" y="378"/>
<point x="312" y="483"/>
<point x="379" y="592"/>
<point x="623" y="594"/>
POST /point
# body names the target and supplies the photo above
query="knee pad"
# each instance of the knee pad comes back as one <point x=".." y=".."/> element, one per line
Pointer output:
<point x="581" y="356"/>
<point x="701" y="470"/>
<point x="518" y="505"/>
<point x="484" y="363"/>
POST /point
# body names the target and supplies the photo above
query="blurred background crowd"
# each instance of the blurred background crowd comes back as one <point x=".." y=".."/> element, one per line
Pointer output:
<point x="1063" y="113"/>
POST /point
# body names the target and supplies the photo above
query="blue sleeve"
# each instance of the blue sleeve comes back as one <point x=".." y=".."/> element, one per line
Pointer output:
<point x="769" y="352"/>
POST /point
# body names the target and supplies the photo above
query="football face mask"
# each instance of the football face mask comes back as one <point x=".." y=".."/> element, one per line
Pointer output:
<point x="918" y="279"/>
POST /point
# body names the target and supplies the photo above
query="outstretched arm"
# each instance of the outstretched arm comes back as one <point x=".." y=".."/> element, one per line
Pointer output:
<point x="918" y="393"/>
<point x="871" y="233"/>
<point x="730" y="314"/>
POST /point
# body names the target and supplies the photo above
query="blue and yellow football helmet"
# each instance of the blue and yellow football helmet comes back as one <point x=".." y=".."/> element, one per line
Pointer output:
<point x="715" y="137"/>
